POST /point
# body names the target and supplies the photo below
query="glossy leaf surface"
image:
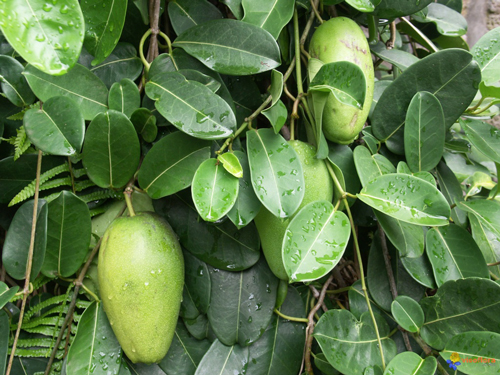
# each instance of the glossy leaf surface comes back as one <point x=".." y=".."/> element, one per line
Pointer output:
<point x="185" y="14"/>
<point x="408" y="313"/>
<point x="485" y="137"/>
<point x="486" y="211"/>
<point x="448" y="21"/>
<point x="223" y="360"/>
<point x="231" y="164"/>
<point x="271" y="16"/>
<point x="488" y="241"/>
<point x="370" y="166"/>
<point x="6" y="294"/>
<point x="487" y="54"/>
<point x="124" y="97"/>
<point x="14" y="85"/>
<point x="397" y="8"/>
<point x="409" y="363"/>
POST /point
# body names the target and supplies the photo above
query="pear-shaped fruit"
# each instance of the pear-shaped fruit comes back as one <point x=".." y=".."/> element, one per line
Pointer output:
<point x="318" y="185"/>
<point x="341" y="39"/>
<point x="141" y="277"/>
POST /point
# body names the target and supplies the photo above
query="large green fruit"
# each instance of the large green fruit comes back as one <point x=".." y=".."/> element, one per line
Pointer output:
<point x="341" y="39"/>
<point x="141" y="277"/>
<point x="318" y="185"/>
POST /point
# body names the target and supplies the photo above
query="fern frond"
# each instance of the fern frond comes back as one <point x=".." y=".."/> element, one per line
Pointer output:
<point x="29" y="190"/>
<point x="101" y="194"/>
<point x="77" y="173"/>
<point x="22" y="143"/>
<point x="28" y="343"/>
<point x="20" y="115"/>
<point x="48" y="321"/>
<point x="66" y="181"/>
<point x="97" y="211"/>
<point x="30" y="353"/>
<point x="42" y="305"/>
<point x="82" y="304"/>
<point x="82" y="185"/>
<point x="46" y="330"/>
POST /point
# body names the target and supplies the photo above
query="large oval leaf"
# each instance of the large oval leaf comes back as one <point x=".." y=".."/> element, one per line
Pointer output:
<point x="17" y="241"/>
<point x="486" y="52"/>
<point x="104" y="20"/>
<point x="47" y="35"/>
<point x="408" y="313"/>
<point x="191" y="106"/>
<point x="451" y="75"/>
<point x="488" y="242"/>
<point x="124" y="97"/>
<point x="398" y="8"/>
<point x="277" y="175"/>
<point x="485" y="137"/>
<point x="214" y="190"/>
<point x="271" y="16"/>
<point x="487" y="212"/>
<point x="448" y="21"/>
<point x="407" y="198"/>
<point x="14" y="85"/>
<point x="6" y="294"/>
<point x="223" y="360"/>
<point x="460" y="306"/>
<point x="79" y="84"/>
<point x="314" y="241"/>
<point x="68" y="235"/>
<point x="452" y="191"/>
<point x="370" y="166"/>
<point x="95" y="348"/>
<point x="171" y="164"/>
<point x="185" y="14"/>
<point x="111" y="151"/>
<point x="231" y="47"/>
<point x="57" y="128"/>
<point x="409" y="363"/>
<point x="242" y="303"/>
<point x="454" y="254"/>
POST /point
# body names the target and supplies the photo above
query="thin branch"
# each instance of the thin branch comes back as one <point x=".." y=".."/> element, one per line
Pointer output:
<point x="392" y="41"/>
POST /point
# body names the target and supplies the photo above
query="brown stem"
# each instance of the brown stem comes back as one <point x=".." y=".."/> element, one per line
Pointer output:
<point x="29" y="263"/>
<point x="154" y="21"/>
<point x="392" y="41"/>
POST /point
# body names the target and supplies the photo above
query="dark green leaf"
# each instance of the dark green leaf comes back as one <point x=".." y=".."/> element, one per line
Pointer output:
<point x="104" y="20"/>
<point x="486" y="211"/>
<point x="451" y="75"/>
<point x="223" y="360"/>
<point x="68" y="235"/>
<point x="398" y="8"/>
<point x="198" y="327"/>
<point x="5" y="295"/>
<point x="420" y="270"/>
<point x="95" y="348"/>
<point x="351" y="345"/>
<point x="370" y="166"/>
<point x="277" y="174"/>
<point x="486" y="52"/>
<point x="271" y="16"/>
<point x="342" y="156"/>
<point x="409" y="363"/>
<point x="407" y="198"/>
<point x="366" y="6"/>
<point x="235" y="7"/>
<point x="197" y="282"/>
<point x="231" y="47"/>
<point x="396" y="57"/>
<point x="185" y="14"/>
<point x="277" y="115"/>
<point x="452" y="191"/>
<point x="57" y="128"/>
<point x="488" y="241"/>
<point x="171" y="164"/>
<point x="48" y="36"/>
<point x="453" y="4"/>
<point x="111" y="151"/>
<point x="242" y="303"/>
<point x="17" y="241"/>
<point x="460" y="306"/>
<point x="276" y="86"/>
<point x="194" y="75"/>
<point x="145" y="124"/>
<point x="483" y="136"/>
<point x="124" y="97"/>
<point x="191" y="107"/>
<point x="408" y="313"/>
<point x="424" y="132"/>
<point x="79" y="84"/>
<point x="14" y="85"/>
<point x="449" y="22"/>
<point x="314" y="242"/>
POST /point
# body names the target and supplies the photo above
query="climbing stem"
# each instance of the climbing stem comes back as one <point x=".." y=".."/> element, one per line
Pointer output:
<point x="291" y="318"/>
<point x="167" y="39"/>
<point x="372" y="29"/>
<point x="141" y="50"/>
<point x="298" y="71"/>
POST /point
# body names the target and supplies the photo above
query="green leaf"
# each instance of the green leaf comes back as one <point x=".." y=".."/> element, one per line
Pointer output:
<point x="397" y="8"/>
<point x="408" y="313"/>
<point x="420" y="270"/>
<point x="68" y="235"/>
<point x="451" y="75"/>
<point x="318" y="101"/>
<point x="483" y="136"/>
<point x="111" y="151"/>
<point x="399" y="58"/>
<point x="247" y="204"/>
<point x="197" y="282"/>
<point x="366" y="6"/>
<point x="14" y="85"/>
<point x="486" y="211"/>
<point x="407" y="198"/>
<point x="95" y="348"/>
<point x="104" y="20"/>
<point x="191" y="107"/>
<point x="342" y="156"/>
<point x="452" y="191"/>
<point x="145" y="124"/>
<point x="276" y="86"/>
<point x="242" y="303"/>
<point x="4" y="339"/>
<point x="486" y="52"/>
<point x="351" y="345"/>
<point x="57" y="128"/>
<point x="6" y="294"/>
<point x="454" y="254"/>
<point x="223" y="360"/>
<point x="460" y="306"/>
<point x="198" y="327"/>
<point x="370" y="166"/>
<point x="48" y="36"/>
<point x="17" y="241"/>
<point x="314" y="241"/>
<point x="231" y="47"/>
<point x="185" y="14"/>
<point x="123" y="62"/>
<point x="124" y="97"/>
<point x="488" y="242"/>
<point x="409" y="363"/>
<point x="79" y="84"/>
<point x="478" y="352"/>
<point x="171" y="164"/>
<point x="214" y="190"/>
<point x="449" y="22"/>
<point x="235" y="7"/>
<point x="194" y="75"/>
<point x="184" y="354"/>
<point x="344" y="80"/>
<point x="231" y="163"/>
<point x="277" y="175"/>
<point x="424" y="132"/>
<point x="271" y="16"/>
<point x="279" y="350"/>
<point x="277" y="115"/>
<point x="220" y="245"/>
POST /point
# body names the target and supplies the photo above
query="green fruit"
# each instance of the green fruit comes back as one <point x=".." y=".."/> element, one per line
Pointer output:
<point x="341" y="39"/>
<point x="141" y="277"/>
<point x="318" y="185"/>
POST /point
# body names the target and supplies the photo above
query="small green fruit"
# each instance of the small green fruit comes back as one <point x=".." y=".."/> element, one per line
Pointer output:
<point x="141" y="277"/>
<point x="318" y="185"/>
<point x="341" y="39"/>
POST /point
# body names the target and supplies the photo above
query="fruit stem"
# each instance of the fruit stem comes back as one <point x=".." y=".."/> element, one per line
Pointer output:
<point x="290" y="318"/>
<point x="128" y="199"/>
<point x="315" y="10"/>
